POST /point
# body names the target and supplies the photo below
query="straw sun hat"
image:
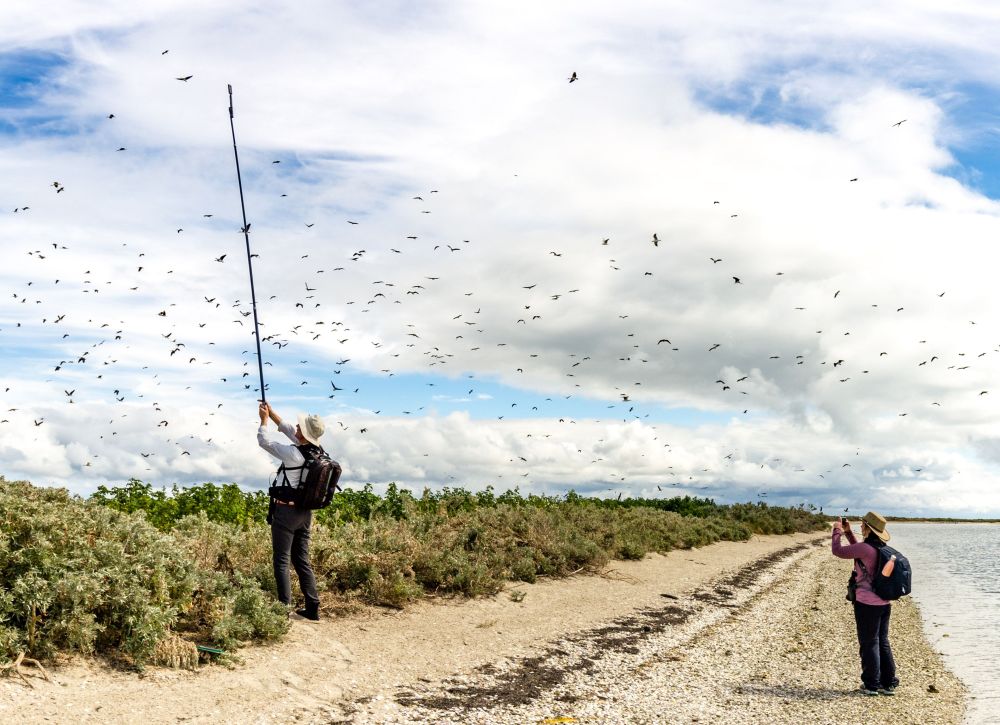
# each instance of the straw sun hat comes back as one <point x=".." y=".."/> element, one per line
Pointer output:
<point x="311" y="427"/>
<point x="877" y="525"/>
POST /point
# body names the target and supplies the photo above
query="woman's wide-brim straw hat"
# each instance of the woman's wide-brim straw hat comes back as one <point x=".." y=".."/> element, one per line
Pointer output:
<point x="311" y="427"/>
<point x="876" y="524"/>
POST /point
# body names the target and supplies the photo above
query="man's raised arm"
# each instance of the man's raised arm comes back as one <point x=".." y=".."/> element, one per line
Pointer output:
<point x="283" y="427"/>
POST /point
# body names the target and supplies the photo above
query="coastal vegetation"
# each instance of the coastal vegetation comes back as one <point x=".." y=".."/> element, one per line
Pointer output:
<point x="923" y="520"/>
<point x="938" y="520"/>
<point x="139" y="574"/>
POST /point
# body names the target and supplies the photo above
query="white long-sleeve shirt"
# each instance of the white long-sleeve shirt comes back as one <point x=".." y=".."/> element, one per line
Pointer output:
<point x="289" y="455"/>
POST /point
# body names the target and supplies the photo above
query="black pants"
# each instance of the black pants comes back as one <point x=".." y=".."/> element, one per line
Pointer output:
<point x="878" y="668"/>
<point x="290" y="538"/>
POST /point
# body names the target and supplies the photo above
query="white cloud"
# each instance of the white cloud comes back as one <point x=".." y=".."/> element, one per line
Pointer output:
<point x="375" y="105"/>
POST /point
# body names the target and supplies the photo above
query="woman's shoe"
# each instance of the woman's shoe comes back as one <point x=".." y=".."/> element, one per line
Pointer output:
<point x="869" y="693"/>
<point x="888" y="691"/>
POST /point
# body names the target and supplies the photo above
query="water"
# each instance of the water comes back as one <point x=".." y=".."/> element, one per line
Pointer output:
<point x="956" y="583"/>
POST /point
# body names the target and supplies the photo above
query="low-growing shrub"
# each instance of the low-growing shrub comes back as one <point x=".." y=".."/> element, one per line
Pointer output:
<point x="142" y="573"/>
<point x="85" y="578"/>
<point x="81" y="577"/>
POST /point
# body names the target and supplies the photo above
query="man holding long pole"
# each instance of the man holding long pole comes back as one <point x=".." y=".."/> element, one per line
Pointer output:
<point x="290" y="525"/>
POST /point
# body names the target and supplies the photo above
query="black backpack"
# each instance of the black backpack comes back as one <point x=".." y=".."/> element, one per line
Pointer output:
<point x="898" y="583"/>
<point x="318" y="480"/>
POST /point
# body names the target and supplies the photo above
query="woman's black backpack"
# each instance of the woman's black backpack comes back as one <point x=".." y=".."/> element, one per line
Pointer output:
<point x="898" y="583"/>
<point x="318" y="480"/>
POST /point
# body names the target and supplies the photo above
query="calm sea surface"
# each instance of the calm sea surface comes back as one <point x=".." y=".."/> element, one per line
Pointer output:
<point x="956" y="583"/>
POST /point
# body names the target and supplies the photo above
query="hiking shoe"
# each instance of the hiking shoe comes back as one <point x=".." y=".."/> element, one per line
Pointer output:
<point x="308" y="613"/>
<point x="887" y="691"/>
<point x="870" y="693"/>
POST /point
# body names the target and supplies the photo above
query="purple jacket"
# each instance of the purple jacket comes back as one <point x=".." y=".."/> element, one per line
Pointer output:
<point x="868" y="556"/>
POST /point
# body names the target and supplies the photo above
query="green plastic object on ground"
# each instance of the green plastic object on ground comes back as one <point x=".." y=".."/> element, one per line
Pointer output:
<point x="210" y="650"/>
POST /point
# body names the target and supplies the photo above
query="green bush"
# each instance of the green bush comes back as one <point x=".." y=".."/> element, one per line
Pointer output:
<point x="226" y="504"/>
<point x="133" y="567"/>
<point x="389" y="550"/>
<point x="81" y="577"/>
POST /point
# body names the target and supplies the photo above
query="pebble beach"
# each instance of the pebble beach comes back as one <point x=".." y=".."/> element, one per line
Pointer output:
<point x="770" y="642"/>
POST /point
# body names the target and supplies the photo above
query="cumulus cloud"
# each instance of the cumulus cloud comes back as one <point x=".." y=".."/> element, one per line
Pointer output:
<point x="858" y="331"/>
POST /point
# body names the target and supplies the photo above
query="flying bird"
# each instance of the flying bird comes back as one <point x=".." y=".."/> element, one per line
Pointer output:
<point x="185" y="78"/>
<point x="573" y="77"/>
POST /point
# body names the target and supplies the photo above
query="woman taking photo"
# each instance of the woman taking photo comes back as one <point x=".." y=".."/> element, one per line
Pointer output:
<point x="871" y="613"/>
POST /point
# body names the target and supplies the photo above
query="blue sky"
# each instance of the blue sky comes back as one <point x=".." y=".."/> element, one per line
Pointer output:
<point x="455" y="191"/>
<point x="973" y="109"/>
<point x="24" y="74"/>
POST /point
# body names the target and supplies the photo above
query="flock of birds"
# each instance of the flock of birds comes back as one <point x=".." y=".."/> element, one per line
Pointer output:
<point x="456" y="328"/>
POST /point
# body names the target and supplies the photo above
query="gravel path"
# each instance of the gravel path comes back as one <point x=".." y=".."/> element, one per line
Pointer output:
<point x="770" y="642"/>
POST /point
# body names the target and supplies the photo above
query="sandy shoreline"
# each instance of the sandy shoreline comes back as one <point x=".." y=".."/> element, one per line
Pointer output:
<point x="733" y="632"/>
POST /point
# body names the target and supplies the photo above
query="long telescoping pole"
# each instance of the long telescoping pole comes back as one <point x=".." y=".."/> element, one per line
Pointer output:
<point x="246" y="236"/>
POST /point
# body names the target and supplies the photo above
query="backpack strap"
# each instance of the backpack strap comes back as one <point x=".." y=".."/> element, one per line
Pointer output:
<point x="283" y="473"/>
<point x="864" y="569"/>
<point x="306" y="449"/>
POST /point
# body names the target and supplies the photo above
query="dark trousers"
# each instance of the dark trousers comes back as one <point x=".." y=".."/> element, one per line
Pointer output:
<point x="878" y="668"/>
<point x="290" y="539"/>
